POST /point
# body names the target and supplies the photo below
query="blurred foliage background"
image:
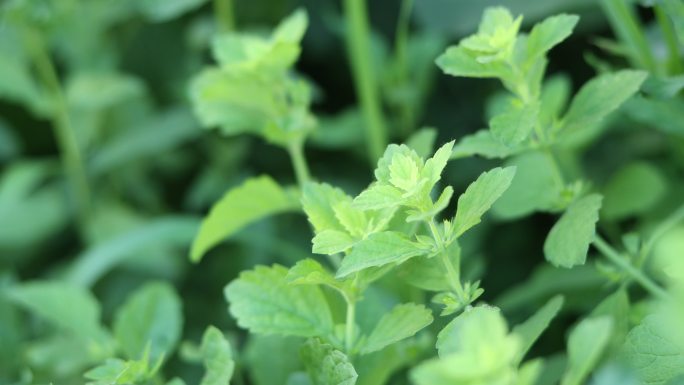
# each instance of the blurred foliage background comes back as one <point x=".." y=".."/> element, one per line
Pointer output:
<point x="105" y="173"/>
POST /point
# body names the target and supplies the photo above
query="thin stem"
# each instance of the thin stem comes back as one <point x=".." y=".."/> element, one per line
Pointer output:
<point x="609" y="252"/>
<point x="61" y="124"/>
<point x="628" y="29"/>
<point x="301" y="168"/>
<point x="349" y="326"/>
<point x="452" y="274"/>
<point x="361" y="55"/>
<point x="225" y="17"/>
<point x="670" y="36"/>
<point x="401" y="57"/>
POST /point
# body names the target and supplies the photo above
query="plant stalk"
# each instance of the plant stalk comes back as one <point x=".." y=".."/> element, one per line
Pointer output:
<point x="225" y="17"/>
<point x="365" y="82"/>
<point x="301" y="168"/>
<point x="671" y="42"/>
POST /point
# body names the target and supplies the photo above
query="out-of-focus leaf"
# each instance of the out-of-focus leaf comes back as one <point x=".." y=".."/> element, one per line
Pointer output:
<point x="586" y="343"/>
<point x="164" y="10"/>
<point x="633" y="190"/>
<point x="218" y="358"/>
<point x="326" y="365"/>
<point x="568" y="241"/>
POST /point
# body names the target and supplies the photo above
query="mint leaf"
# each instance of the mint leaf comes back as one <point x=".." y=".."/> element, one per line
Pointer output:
<point x="264" y="302"/>
<point x="379" y="249"/>
<point x="479" y="197"/>
<point x="601" y="96"/>
<point x="255" y="199"/>
<point x="217" y="357"/>
<point x="318" y="201"/>
<point x="164" y="10"/>
<point x="585" y="346"/>
<point x="379" y="196"/>
<point x="310" y="272"/>
<point x="530" y="330"/>
<point x="653" y="352"/>
<point x="326" y="365"/>
<point x="515" y="123"/>
<point x="548" y="33"/>
<point x="151" y="319"/>
<point x="401" y="322"/>
<point x="332" y="242"/>
<point x="428" y="273"/>
<point x="633" y="190"/>
<point x="482" y="143"/>
<point x="568" y="241"/>
<point x="457" y="61"/>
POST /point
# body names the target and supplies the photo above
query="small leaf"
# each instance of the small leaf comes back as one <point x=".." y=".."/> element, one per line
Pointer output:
<point x="326" y="365"/>
<point x="515" y="124"/>
<point x="332" y="242"/>
<point x="428" y="273"/>
<point x="585" y="346"/>
<point x="402" y="322"/>
<point x="457" y="61"/>
<point x="264" y="302"/>
<point x="150" y="319"/>
<point x="479" y="197"/>
<point x="378" y="196"/>
<point x="568" y="241"/>
<point x="548" y="33"/>
<point x="318" y="201"/>
<point x="379" y="249"/>
<point x="217" y="357"/>
<point x="310" y="272"/>
<point x="601" y="96"/>
<point x="530" y="330"/>
<point x="255" y="199"/>
<point x="481" y="143"/>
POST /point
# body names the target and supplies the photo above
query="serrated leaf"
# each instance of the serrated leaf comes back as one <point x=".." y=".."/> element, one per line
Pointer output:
<point x="530" y="330"/>
<point x="652" y="352"/>
<point x="332" y="242"/>
<point x="435" y="165"/>
<point x="548" y="33"/>
<point x="379" y="249"/>
<point x="151" y="319"/>
<point x="326" y="365"/>
<point x="515" y="124"/>
<point x="318" y="201"/>
<point x="585" y="346"/>
<point x="253" y="200"/>
<point x="480" y="196"/>
<point x="457" y="61"/>
<point x="264" y="302"/>
<point x="217" y="357"/>
<point x="601" y="96"/>
<point x="351" y="218"/>
<point x="481" y="143"/>
<point x="402" y="322"/>
<point x="568" y="241"/>
<point x="67" y="306"/>
<point x="378" y="196"/>
<point x="310" y="272"/>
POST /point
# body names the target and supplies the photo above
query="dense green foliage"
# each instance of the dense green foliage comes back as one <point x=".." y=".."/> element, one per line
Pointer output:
<point x="186" y="196"/>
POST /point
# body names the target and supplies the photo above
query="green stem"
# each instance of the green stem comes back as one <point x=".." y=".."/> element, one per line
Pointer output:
<point x="452" y="273"/>
<point x="61" y="124"/>
<point x="609" y="252"/>
<point x="555" y="167"/>
<point x="361" y="55"/>
<point x="628" y="29"/>
<point x="401" y="57"/>
<point x="301" y="168"/>
<point x="225" y="18"/>
<point x="349" y="326"/>
<point x="670" y="36"/>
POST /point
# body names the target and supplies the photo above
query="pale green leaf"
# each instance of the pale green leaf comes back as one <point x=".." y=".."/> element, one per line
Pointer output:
<point x="515" y="123"/>
<point x="548" y="33"/>
<point x="150" y="319"/>
<point x="351" y="218"/>
<point x="530" y="330"/>
<point x="601" y="96"/>
<point x="218" y="358"/>
<point x="310" y="272"/>
<point x="481" y="143"/>
<point x="318" y="201"/>
<point x="585" y="346"/>
<point x="379" y="249"/>
<point x="530" y="372"/>
<point x="435" y="165"/>
<point x="332" y="242"/>
<point x="457" y="61"/>
<point x="378" y="196"/>
<point x="568" y="241"/>
<point x="326" y="365"/>
<point x="67" y="306"/>
<point x="255" y="199"/>
<point x="479" y="197"/>
<point x="293" y="27"/>
<point x="264" y="302"/>
<point x="653" y="352"/>
<point x="403" y="321"/>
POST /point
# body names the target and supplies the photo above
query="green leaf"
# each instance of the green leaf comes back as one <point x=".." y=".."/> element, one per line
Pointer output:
<point x="164" y="10"/>
<point x="585" y="346"/>
<point x="318" y="201"/>
<point x="653" y="352"/>
<point x="259" y="363"/>
<point x="530" y="330"/>
<point x="515" y="123"/>
<point x="150" y="319"/>
<point x="379" y="249"/>
<point x="423" y="141"/>
<point x="457" y="61"/>
<point x="264" y="302"/>
<point x="534" y="187"/>
<point x="601" y="96"/>
<point x="568" y="241"/>
<point x="310" y="272"/>
<point x="633" y="190"/>
<point x="402" y="322"/>
<point x="479" y="197"/>
<point x="218" y="358"/>
<point x="428" y="273"/>
<point x="67" y="306"/>
<point x="115" y="371"/>
<point x="481" y="143"/>
<point x="255" y="199"/>
<point x="332" y="242"/>
<point x="378" y="196"/>
<point x="326" y="365"/>
<point x="548" y="33"/>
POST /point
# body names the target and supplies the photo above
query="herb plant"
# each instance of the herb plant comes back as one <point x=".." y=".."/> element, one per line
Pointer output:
<point x="318" y="272"/>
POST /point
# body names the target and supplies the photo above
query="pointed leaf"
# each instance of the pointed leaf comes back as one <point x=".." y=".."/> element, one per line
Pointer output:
<point x="515" y="124"/>
<point x="585" y="346"/>
<point x="379" y="249"/>
<point x="548" y="33"/>
<point x="402" y="322"/>
<point x="332" y="242"/>
<point x="568" y="242"/>
<point x="217" y="357"/>
<point x="530" y="330"/>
